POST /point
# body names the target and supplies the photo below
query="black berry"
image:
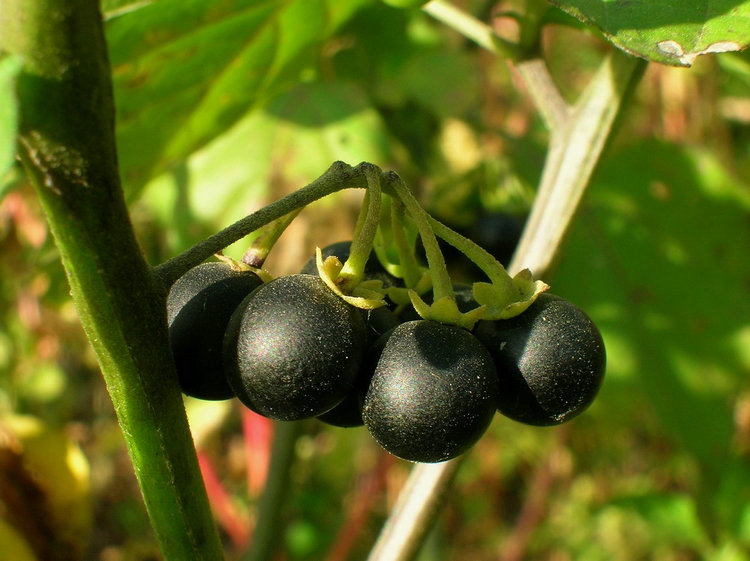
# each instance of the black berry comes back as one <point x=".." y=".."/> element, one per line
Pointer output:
<point x="550" y="360"/>
<point x="433" y="393"/>
<point x="293" y="348"/>
<point x="199" y="306"/>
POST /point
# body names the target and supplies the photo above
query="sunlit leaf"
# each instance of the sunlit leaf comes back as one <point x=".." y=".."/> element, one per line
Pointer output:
<point x="290" y="142"/>
<point x="186" y="70"/>
<point x="659" y="258"/>
<point x="9" y="69"/>
<point x="666" y="31"/>
<point x="673" y="518"/>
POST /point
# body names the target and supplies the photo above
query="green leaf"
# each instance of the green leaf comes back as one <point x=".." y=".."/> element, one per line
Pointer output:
<point x="672" y="519"/>
<point x="186" y="70"/>
<point x="658" y="258"/>
<point x="665" y="31"/>
<point x="321" y="122"/>
<point x="291" y="141"/>
<point x="10" y="67"/>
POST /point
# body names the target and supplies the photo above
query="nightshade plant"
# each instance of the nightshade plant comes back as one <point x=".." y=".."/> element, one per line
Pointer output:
<point x="59" y="122"/>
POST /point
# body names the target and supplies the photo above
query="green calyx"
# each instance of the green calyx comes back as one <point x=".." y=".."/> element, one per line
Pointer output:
<point x="504" y="296"/>
<point x="367" y="294"/>
<point x="445" y="310"/>
<point x="503" y="301"/>
<point x="346" y="279"/>
<point x="264" y="275"/>
<point x="389" y="226"/>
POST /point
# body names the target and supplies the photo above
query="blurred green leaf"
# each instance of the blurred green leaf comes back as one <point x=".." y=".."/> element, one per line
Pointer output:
<point x="185" y="71"/>
<point x="10" y="67"/>
<point x="673" y="519"/>
<point x="666" y="31"/>
<point x="13" y="544"/>
<point x="319" y="123"/>
<point x="659" y="258"/>
<point x="291" y="142"/>
<point x="402" y="59"/>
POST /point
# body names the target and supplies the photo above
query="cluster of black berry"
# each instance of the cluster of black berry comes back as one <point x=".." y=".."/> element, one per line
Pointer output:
<point x="291" y="349"/>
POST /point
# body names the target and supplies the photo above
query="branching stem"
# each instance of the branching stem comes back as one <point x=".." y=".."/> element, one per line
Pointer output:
<point x="470" y="27"/>
<point x="441" y="281"/>
<point x="339" y="176"/>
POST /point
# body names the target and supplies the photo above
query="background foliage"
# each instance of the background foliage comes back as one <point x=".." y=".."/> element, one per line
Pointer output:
<point x="224" y="106"/>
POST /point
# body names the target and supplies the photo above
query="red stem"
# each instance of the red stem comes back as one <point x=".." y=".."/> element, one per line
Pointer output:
<point x="234" y="522"/>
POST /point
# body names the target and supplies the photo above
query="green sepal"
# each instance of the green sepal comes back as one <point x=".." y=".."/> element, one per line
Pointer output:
<point x="445" y="310"/>
<point x="400" y="294"/>
<point x="264" y="275"/>
<point x="511" y="299"/>
<point x="367" y="295"/>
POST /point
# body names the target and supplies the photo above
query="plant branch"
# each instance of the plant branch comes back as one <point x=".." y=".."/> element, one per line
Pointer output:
<point x="554" y="110"/>
<point x="470" y="27"/>
<point x="266" y="531"/>
<point x="415" y="511"/>
<point x="576" y="144"/>
<point x="339" y="176"/>
<point x="67" y="145"/>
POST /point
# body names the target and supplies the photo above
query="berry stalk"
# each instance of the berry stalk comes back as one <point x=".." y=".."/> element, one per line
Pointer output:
<point x="338" y="177"/>
<point x="353" y="270"/>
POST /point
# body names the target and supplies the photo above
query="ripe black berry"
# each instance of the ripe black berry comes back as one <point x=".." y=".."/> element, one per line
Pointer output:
<point x="433" y="392"/>
<point x="199" y="306"/>
<point x="550" y="360"/>
<point x="293" y="348"/>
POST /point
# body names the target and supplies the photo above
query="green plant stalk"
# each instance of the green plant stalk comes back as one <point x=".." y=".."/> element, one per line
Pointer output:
<point x="425" y="490"/>
<point x="470" y="27"/>
<point x="338" y="177"/>
<point x="441" y="282"/>
<point x="578" y="137"/>
<point x="67" y="146"/>
<point x="477" y="254"/>
<point x="258" y="251"/>
<point x="414" y="513"/>
<point x="367" y="225"/>
<point x="405" y="250"/>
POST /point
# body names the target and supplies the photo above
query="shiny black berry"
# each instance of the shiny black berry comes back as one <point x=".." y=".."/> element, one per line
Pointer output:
<point x="293" y="348"/>
<point x="433" y="393"/>
<point x="550" y="361"/>
<point x="380" y="323"/>
<point x="199" y="306"/>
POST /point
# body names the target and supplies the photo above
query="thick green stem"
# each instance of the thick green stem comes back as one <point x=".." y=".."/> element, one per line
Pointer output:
<point x="67" y="146"/>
